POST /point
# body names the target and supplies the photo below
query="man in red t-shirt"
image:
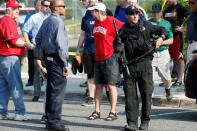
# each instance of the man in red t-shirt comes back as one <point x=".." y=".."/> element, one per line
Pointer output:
<point x="11" y="48"/>
<point x="106" y="66"/>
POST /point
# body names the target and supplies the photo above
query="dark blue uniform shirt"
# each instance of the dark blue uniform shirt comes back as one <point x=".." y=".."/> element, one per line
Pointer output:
<point x="53" y="38"/>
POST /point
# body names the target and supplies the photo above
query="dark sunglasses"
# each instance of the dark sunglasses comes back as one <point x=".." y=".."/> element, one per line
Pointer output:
<point x="46" y="5"/>
<point x="61" y="6"/>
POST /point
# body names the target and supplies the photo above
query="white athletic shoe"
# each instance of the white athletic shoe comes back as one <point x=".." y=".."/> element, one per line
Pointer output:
<point x="6" y="117"/>
<point x="24" y="117"/>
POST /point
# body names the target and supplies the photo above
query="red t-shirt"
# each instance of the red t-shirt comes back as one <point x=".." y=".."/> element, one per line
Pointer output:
<point x="8" y="31"/>
<point x="104" y="35"/>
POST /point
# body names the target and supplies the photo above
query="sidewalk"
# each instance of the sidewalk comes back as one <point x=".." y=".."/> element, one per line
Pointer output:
<point x="75" y="92"/>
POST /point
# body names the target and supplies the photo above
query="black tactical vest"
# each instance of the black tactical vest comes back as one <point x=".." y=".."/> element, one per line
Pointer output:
<point x="137" y="42"/>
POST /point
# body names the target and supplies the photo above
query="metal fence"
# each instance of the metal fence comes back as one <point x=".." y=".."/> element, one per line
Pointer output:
<point x="75" y="12"/>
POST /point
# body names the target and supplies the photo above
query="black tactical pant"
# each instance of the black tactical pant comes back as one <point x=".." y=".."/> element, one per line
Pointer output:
<point x="141" y="75"/>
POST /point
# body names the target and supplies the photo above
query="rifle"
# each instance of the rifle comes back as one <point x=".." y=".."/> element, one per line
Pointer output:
<point x="117" y="47"/>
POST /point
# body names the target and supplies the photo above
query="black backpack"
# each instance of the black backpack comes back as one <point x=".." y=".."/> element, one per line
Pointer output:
<point x="137" y="42"/>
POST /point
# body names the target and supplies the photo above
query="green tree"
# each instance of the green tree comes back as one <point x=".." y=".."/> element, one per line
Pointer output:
<point x="2" y="1"/>
<point x="182" y="2"/>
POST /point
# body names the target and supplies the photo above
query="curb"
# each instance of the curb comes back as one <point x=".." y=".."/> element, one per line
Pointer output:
<point x="156" y="100"/>
<point x="175" y="102"/>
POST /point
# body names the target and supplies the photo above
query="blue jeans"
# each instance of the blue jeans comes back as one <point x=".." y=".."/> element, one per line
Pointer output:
<point x="11" y="84"/>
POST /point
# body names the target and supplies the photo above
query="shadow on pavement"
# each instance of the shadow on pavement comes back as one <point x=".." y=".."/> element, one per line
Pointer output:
<point x="90" y="125"/>
<point x="21" y="126"/>
<point x="175" y="114"/>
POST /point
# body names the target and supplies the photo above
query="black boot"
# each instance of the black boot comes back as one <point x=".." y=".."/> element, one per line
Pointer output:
<point x="35" y="98"/>
<point x="130" y="128"/>
<point x="29" y="83"/>
<point x="57" y="128"/>
<point x="144" y="125"/>
<point x="168" y="94"/>
<point x="86" y="93"/>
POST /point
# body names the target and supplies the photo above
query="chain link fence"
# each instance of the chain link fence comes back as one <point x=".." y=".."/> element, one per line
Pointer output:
<point x="75" y="12"/>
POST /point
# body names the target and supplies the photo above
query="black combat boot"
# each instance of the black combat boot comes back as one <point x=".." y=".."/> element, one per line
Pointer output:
<point x="130" y="128"/>
<point x="168" y="94"/>
<point x="144" y="125"/>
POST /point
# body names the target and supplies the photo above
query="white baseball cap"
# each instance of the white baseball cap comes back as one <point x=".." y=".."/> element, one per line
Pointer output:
<point x="135" y="1"/>
<point x="98" y="6"/>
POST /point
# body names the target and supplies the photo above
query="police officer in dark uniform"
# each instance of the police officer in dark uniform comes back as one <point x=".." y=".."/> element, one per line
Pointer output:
<point x="136" y="37"/>
<point x="52" y="38"/>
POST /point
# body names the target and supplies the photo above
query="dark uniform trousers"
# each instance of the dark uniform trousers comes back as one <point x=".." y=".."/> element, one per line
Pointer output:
<point x="56" y="84"/>
<point x="141" y="74"/>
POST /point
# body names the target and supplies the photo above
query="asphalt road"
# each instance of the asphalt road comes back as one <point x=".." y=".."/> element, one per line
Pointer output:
<point x="74" y="116"/>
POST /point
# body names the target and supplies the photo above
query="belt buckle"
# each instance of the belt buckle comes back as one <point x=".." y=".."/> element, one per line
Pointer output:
<point x="49" y="58"/>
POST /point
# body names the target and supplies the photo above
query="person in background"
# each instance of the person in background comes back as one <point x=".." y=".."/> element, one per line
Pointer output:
<point x="36" y="56"/>
<point x="109" y="13"/>
<point x="33" y="24"/>
<point x="106" y="66"/>
<point x="120" y="10"/>
<point x="161" y="61"/>
<point x="53" y="39"/>
<point x="12" y="47"/>
<point x="143" y="14"/>
<point x="86" y="40"/>
<point x="191" y="29"/>
<point x="30" y="56"/>
<point x="175" y="13"/>
<point x="85" y="4"/>
<point x="123" y="4"/>
<point x="39" y="58"/>
<point x="136" y="38"/>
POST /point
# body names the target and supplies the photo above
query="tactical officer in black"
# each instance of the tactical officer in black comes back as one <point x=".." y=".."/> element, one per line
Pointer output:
<point x="136" y="37"/>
